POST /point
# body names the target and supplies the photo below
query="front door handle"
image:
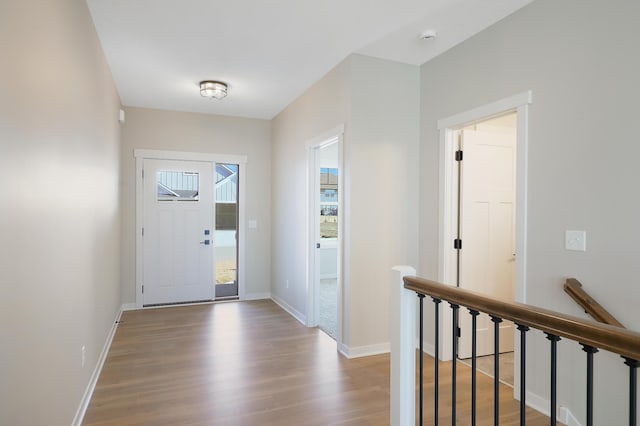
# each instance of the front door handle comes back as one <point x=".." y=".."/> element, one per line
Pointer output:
<point x="205" y="242"/>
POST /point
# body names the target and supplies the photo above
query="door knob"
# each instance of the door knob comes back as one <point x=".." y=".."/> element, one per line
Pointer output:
<point x="205" y="242"/>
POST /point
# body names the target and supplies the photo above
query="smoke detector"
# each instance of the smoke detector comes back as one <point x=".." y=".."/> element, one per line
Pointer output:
<point x="428" y="34"/>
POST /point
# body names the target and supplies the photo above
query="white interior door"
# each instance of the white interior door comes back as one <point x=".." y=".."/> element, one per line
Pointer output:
<point x="178" y="231"/>
<point x="487" y="228"/>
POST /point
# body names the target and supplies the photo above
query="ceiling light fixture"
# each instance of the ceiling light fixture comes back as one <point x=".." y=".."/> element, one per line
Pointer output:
<point x="213" y="89"/>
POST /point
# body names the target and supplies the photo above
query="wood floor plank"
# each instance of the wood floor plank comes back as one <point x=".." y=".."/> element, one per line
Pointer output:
<point x="250" y="363"/>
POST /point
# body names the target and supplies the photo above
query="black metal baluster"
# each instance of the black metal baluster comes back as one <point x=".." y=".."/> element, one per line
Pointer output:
<point x="474" y="353"/>
<point x="455" y="309"/>
<point x="420" y="343"/>
<point x="496" y="369"/>
<point x="554" y="377"/>
<point x="633" y="389"/>
<point x="436" y="361"/>
<point x="523" y="373"/>
<point x="590" y="350"/>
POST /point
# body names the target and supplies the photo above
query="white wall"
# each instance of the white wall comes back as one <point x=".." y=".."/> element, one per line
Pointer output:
<point x="190" y="132"/>
<point x="59" y="215"/>
<point x="380" y="176"/>
<point x="582" y="164"/>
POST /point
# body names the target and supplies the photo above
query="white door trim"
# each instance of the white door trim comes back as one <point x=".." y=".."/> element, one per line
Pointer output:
<point x="140" y="155"/>
<point x="312" y="146"/>
<point x="448" y="183"/>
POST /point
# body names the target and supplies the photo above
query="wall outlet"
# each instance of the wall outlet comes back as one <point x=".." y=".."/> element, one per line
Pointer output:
<point x="84" y="356"/>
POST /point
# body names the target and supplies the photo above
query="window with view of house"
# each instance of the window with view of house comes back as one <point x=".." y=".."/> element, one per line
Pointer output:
<point x="328" y="203"/>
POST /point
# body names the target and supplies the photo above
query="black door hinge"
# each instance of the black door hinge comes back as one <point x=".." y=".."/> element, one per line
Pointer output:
<point x="143" y="289"/>
<point x="457" y="244"/>
<point x="458" y="332"/>
<point x="458" y="155"/>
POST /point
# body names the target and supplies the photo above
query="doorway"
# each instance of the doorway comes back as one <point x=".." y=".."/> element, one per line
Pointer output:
<point x="189" y="227"/>
<point x="325" y="235"/>
<point x="486" y="222"/>
<point x="452" y="268"/>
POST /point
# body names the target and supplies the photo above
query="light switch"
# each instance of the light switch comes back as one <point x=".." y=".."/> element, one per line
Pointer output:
<point x="575" y="240"/>
<point x="253" y="224"/>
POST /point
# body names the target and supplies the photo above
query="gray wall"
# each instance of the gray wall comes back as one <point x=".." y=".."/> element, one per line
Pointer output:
<point x="60" y="214"/>
<point x="190" y="132"/>
<point x="321" y="108"/>
<point x="580" y="60"/>
<point x="380" y="187"/>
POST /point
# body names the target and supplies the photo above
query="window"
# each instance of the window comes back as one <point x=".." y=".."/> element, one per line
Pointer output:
<point x="177" y="186"/>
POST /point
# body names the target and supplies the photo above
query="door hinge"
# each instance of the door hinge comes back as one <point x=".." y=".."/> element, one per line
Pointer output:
<point x="143" y="289"/>
<point x="457" y="244"/>
<point x="458" y="332"/>
<point x="459" y="155"/>
<point x="142" y="173"/>
<point x="143" y="232"/>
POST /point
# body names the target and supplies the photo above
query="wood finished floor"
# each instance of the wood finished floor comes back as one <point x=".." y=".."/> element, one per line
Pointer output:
<point x="250" y="363"/>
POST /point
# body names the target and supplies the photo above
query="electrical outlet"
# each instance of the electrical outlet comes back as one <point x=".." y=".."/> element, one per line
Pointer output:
<point x="84" y="356"/>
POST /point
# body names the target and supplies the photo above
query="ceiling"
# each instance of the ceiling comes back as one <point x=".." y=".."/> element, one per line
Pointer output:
<point x="268" y="51"/>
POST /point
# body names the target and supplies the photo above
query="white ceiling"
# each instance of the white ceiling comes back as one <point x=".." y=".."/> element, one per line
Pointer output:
<point x="268" y="51"/>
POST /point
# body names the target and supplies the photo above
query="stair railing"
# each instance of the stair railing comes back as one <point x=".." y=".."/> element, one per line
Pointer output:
<point x="573" y="288"/>
<point x="591" y="335"/>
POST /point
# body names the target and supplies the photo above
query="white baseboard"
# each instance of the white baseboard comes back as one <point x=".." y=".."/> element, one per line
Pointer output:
<point x="86" y="398"/>
<point x="256" y="296"/>
<point x="542" y="405"/>
<point x="128" y="307"/>
<point x="290" y="309"/>
<point x="427" y="348"/>
<point x="361" y="351"/>
<point x="566" y="416"/>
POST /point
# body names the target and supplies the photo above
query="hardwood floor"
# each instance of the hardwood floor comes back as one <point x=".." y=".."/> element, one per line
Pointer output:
<point x="250" y="363"/>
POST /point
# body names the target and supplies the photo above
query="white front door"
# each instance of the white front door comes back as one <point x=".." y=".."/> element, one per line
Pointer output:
<point x="487" y="230"/>
<point x="177" y="232"/>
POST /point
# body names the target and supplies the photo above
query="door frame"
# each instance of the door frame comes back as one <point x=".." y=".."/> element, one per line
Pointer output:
<point x="335" y="135"/>
<point x="140" y="155"/>
<point x="447" y="230"/>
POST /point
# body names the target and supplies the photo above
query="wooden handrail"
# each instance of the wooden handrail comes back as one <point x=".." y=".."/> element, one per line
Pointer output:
<point x="611" y="338"/>
<point x="573" y="288"/>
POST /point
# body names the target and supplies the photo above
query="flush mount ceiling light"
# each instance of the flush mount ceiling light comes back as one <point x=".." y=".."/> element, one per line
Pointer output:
<point x="213" y="89"/>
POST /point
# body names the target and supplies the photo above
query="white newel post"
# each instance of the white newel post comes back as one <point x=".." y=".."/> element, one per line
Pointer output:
<point x="403" y="349"/>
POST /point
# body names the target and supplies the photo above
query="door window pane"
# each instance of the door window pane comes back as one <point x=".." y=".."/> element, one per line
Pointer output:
<point x="177" y="186"/>
<point x="226" y="234"/>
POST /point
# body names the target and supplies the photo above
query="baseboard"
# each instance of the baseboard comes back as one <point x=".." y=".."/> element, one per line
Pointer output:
<point x="361" y="351"/>
<point x="128" y="307"/>
<point x="290" y="309"/>
<point x="538" y="403"/>
<point x="86" y="398"/>
<point x="427" y="347"/>
<point x="541" y="404"/>
<point x="566" y="416"/>
<point x="256" y="296"/>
